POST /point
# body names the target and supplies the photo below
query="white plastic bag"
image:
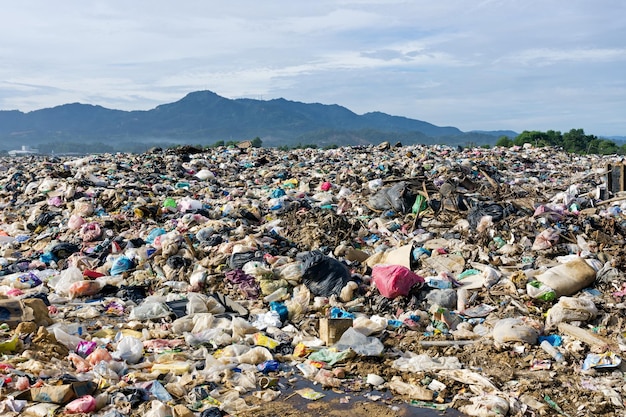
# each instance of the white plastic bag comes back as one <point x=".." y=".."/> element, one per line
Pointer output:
<point x="486" y="406"/>
<point x="368" y="326"/>
<point x="150" y="310"/>
<point x="130" y="349"/>
<point x="67" y="277"/>
<point x="361" y="344"/>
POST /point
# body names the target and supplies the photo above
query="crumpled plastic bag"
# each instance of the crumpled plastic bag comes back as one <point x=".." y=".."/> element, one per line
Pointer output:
<point x="84" y="288"/>
<point x="90" y="232"/>
<point x="121" y="264"/>
<point x="395" y="280"/>
<point x="546" y="239"/>
<point x="515" y="329"/>
<point x="150" y="310"/>
<point x="368" y="326"/>
<point x="396" y="197"/>
<point x="323" y="276"/>
<point x="67" y="277"/>
<point x="75" y="222"/>
<point x="411" y="362"/>
<point x="130" y="349"/>
<point x="487" y="405"/>
<point x="361" y="344"/>
<point x="85" y="404"/>
<point x="495" y="212"/>
<point x="570" y="309"/>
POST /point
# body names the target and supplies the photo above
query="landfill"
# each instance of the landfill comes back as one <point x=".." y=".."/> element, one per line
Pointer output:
<point x="235" y="280"/>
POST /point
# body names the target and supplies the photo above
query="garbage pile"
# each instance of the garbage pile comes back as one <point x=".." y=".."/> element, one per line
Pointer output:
<point x="207" y="282"/>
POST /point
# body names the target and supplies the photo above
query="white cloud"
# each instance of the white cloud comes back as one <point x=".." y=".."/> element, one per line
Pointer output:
<point x="492" y="64"/>
<point x="544" y="56"/>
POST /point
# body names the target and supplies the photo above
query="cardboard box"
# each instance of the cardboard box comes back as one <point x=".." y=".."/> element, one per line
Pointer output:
<point x="330" y="330"/>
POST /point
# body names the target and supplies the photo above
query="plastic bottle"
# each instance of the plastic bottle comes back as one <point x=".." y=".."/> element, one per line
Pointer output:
<point x="552" y="351"/>
<point x="438" y="283"/>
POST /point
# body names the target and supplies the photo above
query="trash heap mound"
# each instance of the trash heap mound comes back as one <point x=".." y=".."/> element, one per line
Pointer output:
<point x="193" y="282"/>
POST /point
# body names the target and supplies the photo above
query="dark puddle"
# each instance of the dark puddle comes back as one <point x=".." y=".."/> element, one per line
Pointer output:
<point x="344" y="399"/>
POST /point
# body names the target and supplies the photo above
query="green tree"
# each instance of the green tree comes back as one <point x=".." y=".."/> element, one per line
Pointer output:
<point x="607" y="147"/>
<point x="256" y="142"/>
<point x="537" y="138"/>
<point x="504" y="141"/>
<point x="576" y="141"/>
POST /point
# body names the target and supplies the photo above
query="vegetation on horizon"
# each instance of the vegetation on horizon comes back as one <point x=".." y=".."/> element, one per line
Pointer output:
<point x="574" y="141"/>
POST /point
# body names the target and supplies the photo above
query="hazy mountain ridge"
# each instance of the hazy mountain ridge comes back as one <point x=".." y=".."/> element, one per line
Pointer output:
<point x="203" y="117"/>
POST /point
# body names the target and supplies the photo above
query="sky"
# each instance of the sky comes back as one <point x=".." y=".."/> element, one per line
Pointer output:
<point x="473" y="64"/>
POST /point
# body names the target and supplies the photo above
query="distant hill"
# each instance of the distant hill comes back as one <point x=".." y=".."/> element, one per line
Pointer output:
<point x="617" y="139"/>
<point x="204" y="118"/>
<point x="496" y="133"/>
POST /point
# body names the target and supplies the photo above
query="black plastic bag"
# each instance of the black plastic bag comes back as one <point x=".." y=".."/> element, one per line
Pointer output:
<point x="323" y="275"/>
<point x="238" y="260"/>
<point x="64" y="250"/>
<point x="496" y="211"/>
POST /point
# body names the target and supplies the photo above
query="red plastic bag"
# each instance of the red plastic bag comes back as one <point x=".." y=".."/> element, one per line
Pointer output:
<point x="394" y="280"/>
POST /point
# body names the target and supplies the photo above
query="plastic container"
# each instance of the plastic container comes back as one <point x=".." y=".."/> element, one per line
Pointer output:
<point x="552" y="351"/>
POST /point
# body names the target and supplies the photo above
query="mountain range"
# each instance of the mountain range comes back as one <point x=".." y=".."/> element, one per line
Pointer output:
<point x="203" y="118"/>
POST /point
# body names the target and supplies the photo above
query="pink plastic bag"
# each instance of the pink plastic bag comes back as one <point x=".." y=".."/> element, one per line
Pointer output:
<point x="85" y="404"/>
<point x="394" y="280"/>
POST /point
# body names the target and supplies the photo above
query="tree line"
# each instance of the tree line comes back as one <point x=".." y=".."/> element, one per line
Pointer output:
<point x="575" y="141"/>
